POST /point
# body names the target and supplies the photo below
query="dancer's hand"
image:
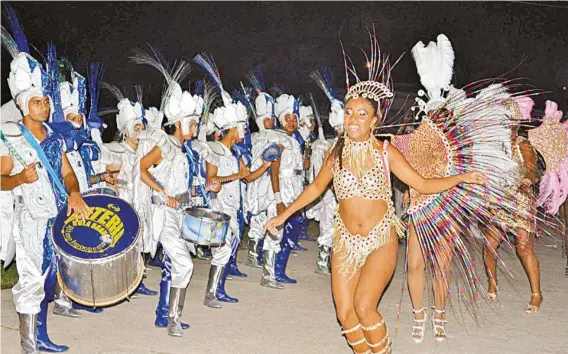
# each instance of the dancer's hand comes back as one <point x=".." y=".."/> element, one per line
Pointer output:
<point x="271" y="226"/>
<point x="77" y="206"/>
<point x="474" y="178"/>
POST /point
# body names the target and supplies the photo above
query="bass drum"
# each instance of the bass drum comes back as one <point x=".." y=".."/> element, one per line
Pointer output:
<point x="100" y="262"/>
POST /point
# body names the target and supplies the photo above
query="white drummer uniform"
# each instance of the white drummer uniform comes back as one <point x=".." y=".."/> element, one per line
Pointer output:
<point x="291" y="173"/>
<point x="324" y="210"/>
<point x="259" y="192"/>
<point x="227" y="200"/>
<point x="35" y="205"/>
<point x="172" y="173"/>
<point x="141" y="194"/>
<point x="10" y="113"/>
<point x="69" y="94"/>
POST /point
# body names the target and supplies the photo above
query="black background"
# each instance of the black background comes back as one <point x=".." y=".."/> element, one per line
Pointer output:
<point x="289" y="39"/>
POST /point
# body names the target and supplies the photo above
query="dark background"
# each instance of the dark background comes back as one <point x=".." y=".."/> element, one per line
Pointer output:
<point x="289" y="39"/>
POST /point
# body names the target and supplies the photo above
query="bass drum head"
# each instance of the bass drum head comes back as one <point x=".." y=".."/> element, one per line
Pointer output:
<point x="110" y="230"/>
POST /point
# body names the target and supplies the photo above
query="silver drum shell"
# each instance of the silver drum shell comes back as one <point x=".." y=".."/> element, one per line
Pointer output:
<point x="101" y="282"/>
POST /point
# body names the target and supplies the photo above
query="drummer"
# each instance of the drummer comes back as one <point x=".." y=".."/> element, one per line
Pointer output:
<point x="165" y="169"/>
<point x="230" y="121"/>
<point x="129" y="122"/>
<point x="34" y="166"/>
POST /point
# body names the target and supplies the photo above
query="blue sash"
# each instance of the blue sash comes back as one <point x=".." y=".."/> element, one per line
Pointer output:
<point x="43" y="159"/>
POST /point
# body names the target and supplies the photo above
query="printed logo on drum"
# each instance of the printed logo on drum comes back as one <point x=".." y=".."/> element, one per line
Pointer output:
<point x="104" y="221"/>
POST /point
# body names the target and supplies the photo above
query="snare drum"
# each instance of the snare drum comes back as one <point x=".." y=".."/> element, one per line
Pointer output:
<point x="205" y="227"/>
<point x="101" y="191"/>
<point x="100" y="262"/>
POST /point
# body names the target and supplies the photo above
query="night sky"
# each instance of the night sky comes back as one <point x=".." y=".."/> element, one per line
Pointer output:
<point x="289" y="39"/>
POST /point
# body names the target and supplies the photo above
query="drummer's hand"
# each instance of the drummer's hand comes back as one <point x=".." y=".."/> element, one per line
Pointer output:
<point x="271" y="226"/>
<point x="214" y="186"/>
<point x="280" y="208"/>
<point x="173" y="202"/>
<point x="29" y="174"/>
<point x="267" y="164"/>
<point x="77" y="206"/>
<point x="244" y="172"/>
<point x="109" y="178"/>
<point x="281" y="147"/>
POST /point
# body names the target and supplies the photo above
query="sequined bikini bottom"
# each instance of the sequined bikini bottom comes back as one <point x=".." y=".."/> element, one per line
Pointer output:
<point x="353" y="250"/>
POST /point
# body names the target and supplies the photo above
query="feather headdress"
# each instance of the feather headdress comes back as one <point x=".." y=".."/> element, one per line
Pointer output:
<point x="323" y="77"/>
<point x="379" y="84"/>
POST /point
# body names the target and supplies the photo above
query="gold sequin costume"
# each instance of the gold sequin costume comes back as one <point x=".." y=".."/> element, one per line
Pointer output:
<point x="373" y="184"/>
<point x="524" y="217"/>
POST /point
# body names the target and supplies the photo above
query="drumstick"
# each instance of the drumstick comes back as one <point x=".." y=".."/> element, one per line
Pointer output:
<point x="113" y="172"/>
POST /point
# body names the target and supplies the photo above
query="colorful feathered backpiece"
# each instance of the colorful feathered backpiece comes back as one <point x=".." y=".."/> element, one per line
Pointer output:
<point x="462" y="135"/>
<point x="551" y="141"/>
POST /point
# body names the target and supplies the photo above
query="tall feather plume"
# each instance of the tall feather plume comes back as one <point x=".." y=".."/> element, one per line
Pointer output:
<point x="209" y="97"/>
<point x="323" y="77"/>
<point x="257" y="80"/>
<point x="205" y="60"/>
<point x="435" y="64"/>
<point x="175" y="73"/>
<point x="17" y="30"/>
<point x="65" y="70"/>
<point x="9" y="43"/>
<point x="244" y="95"/>
<point x="53" y="87"/>
<point x="139" y="93"/>
<point x="114" y="90"/>
<point x="198" y="89"/>
<point x="277" y="90"/>
<point x="95" y="79"/>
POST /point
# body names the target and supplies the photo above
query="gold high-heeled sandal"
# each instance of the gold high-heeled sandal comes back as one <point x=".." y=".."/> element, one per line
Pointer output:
<point x="532" y="308"/>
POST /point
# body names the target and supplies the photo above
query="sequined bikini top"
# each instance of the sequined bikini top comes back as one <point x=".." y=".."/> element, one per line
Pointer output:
<point x="374" y="184"/>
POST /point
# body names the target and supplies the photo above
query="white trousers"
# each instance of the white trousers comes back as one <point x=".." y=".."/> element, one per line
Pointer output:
<point x="176" y="247"/>
<point x="256" y="227"/>
<point x="327" y="218"/>
<point x="7" y="246"/>
<point x="271" y="244"/>
<point x="28" y="293"/>
<point x="222" y="254"/>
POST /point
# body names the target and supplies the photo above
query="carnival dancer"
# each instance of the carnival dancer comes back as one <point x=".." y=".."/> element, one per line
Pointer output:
<point x="221" y="165"/>
<point x="324" y="211"/>
<point x="33" y="165"/>
<point x="360" y="166"/>
<point x="287" y="176"/>
<point x="551" y="140"/>
<point x="129" y="123"/>
<point x="259" y="192"/>
<point x="460" y="131"/>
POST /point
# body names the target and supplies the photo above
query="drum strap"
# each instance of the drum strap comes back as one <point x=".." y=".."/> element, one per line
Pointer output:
<point x="43" y="159"/>
<point x="195" y="165"/>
